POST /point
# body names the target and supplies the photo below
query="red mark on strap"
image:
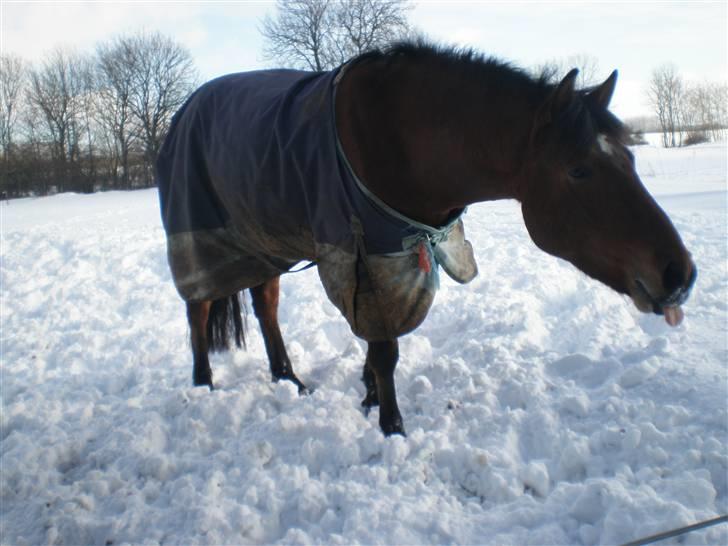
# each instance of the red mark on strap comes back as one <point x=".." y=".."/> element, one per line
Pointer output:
<point x="423" y="258"/>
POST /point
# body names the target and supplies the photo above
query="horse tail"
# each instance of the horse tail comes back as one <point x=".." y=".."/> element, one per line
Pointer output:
<point x="226" y="321"/>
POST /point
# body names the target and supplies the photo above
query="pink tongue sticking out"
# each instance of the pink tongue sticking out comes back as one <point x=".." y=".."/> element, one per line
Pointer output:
<point x="673" y="315"/>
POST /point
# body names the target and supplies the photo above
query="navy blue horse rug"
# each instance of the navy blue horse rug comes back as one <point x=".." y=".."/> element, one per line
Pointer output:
<point x="252" y="180"/>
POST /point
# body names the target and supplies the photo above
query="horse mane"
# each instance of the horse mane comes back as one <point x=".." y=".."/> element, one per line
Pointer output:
<point x="580" y="123"/>
<point x="475" y="66"/>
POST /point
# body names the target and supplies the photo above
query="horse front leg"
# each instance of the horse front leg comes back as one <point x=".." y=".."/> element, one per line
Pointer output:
<point x="198" y="314"/>
<point x="371" y="399"/>
<point x="381" y="361"/>
<point x="265" y="305"/>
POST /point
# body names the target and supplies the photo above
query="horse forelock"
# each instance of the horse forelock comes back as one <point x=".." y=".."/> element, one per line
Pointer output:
<point x="582" y="123"/>
<point x="607" y="123"/>
<point x="575" y="128"/>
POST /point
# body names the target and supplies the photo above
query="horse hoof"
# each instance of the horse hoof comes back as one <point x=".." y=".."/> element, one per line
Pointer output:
<point x="203" y="382"/>
<point x="303" y="390"/>
<point x="391" y="429"/>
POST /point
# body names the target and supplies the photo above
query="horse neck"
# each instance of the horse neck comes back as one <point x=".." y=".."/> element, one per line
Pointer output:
<point x="427" y="146"/>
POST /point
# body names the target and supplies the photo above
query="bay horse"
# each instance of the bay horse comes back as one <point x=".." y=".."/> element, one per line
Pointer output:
<point x="365" y="171"/>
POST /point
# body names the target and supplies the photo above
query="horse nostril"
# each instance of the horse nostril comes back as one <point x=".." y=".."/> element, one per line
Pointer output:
<point x="673" y="278"/>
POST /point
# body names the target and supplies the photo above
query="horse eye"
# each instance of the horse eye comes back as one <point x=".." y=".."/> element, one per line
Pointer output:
<point x="579" y="172"/>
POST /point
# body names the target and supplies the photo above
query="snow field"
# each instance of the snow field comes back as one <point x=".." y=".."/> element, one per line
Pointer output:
<point x="541" y="408"/>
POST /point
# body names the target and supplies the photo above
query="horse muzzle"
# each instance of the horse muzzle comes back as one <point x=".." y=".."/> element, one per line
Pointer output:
<point x="675" y="290"/>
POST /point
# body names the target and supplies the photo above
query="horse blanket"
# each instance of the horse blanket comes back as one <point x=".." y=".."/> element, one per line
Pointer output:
<point x="252" y="180"/>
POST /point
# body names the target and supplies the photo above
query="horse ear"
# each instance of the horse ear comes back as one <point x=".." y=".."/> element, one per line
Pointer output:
<point x="559" y="99"/>
<point x="568" y="84"/>
<point x="602" y="94"/>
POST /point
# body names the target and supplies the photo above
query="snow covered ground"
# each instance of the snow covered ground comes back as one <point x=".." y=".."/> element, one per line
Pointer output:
<point x="541" y="407"/>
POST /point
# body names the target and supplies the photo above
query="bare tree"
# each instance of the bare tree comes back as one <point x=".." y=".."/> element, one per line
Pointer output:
<point x="555" y="69"/>
<point x="696" y="113"/>
<point x="56" y="89"/>
<point x="718" y="107"/>
<point x="589" y="72"/>
<point x="13" y="77"/>
<point x="34" y="153"/>
<point x="162" y="76"/>
<point x="665" y="94"/>
<point x="114" y="78"/>
<point x="321" y="34"/>
<point x="299" y="34"/>
<point x="708" y="104"/>
<point x="87" y="127"/>
<point x="362" y="25"/>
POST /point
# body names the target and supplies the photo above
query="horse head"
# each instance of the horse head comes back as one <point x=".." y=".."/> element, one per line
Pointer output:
<point x="583" y="201"/>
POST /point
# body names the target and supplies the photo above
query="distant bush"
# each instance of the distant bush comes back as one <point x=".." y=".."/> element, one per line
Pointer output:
<point x="695" y="137"/>
<point x="637" y="138"/>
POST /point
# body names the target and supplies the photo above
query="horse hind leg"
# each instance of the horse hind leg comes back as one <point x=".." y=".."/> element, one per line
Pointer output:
<point x="197" y="316"/>
<point x="212" y="325"/>
<point x="265" y="305"/>
<point x="371" y="399"/>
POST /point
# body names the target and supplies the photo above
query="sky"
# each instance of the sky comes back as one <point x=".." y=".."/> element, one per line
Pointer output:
<point x="223" y="36"/>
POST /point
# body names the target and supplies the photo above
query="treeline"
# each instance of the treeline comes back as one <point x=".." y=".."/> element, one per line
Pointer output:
<point x="88" y="122"/>
<point x="688" y="112"/>
<point x="83" y="123"/>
